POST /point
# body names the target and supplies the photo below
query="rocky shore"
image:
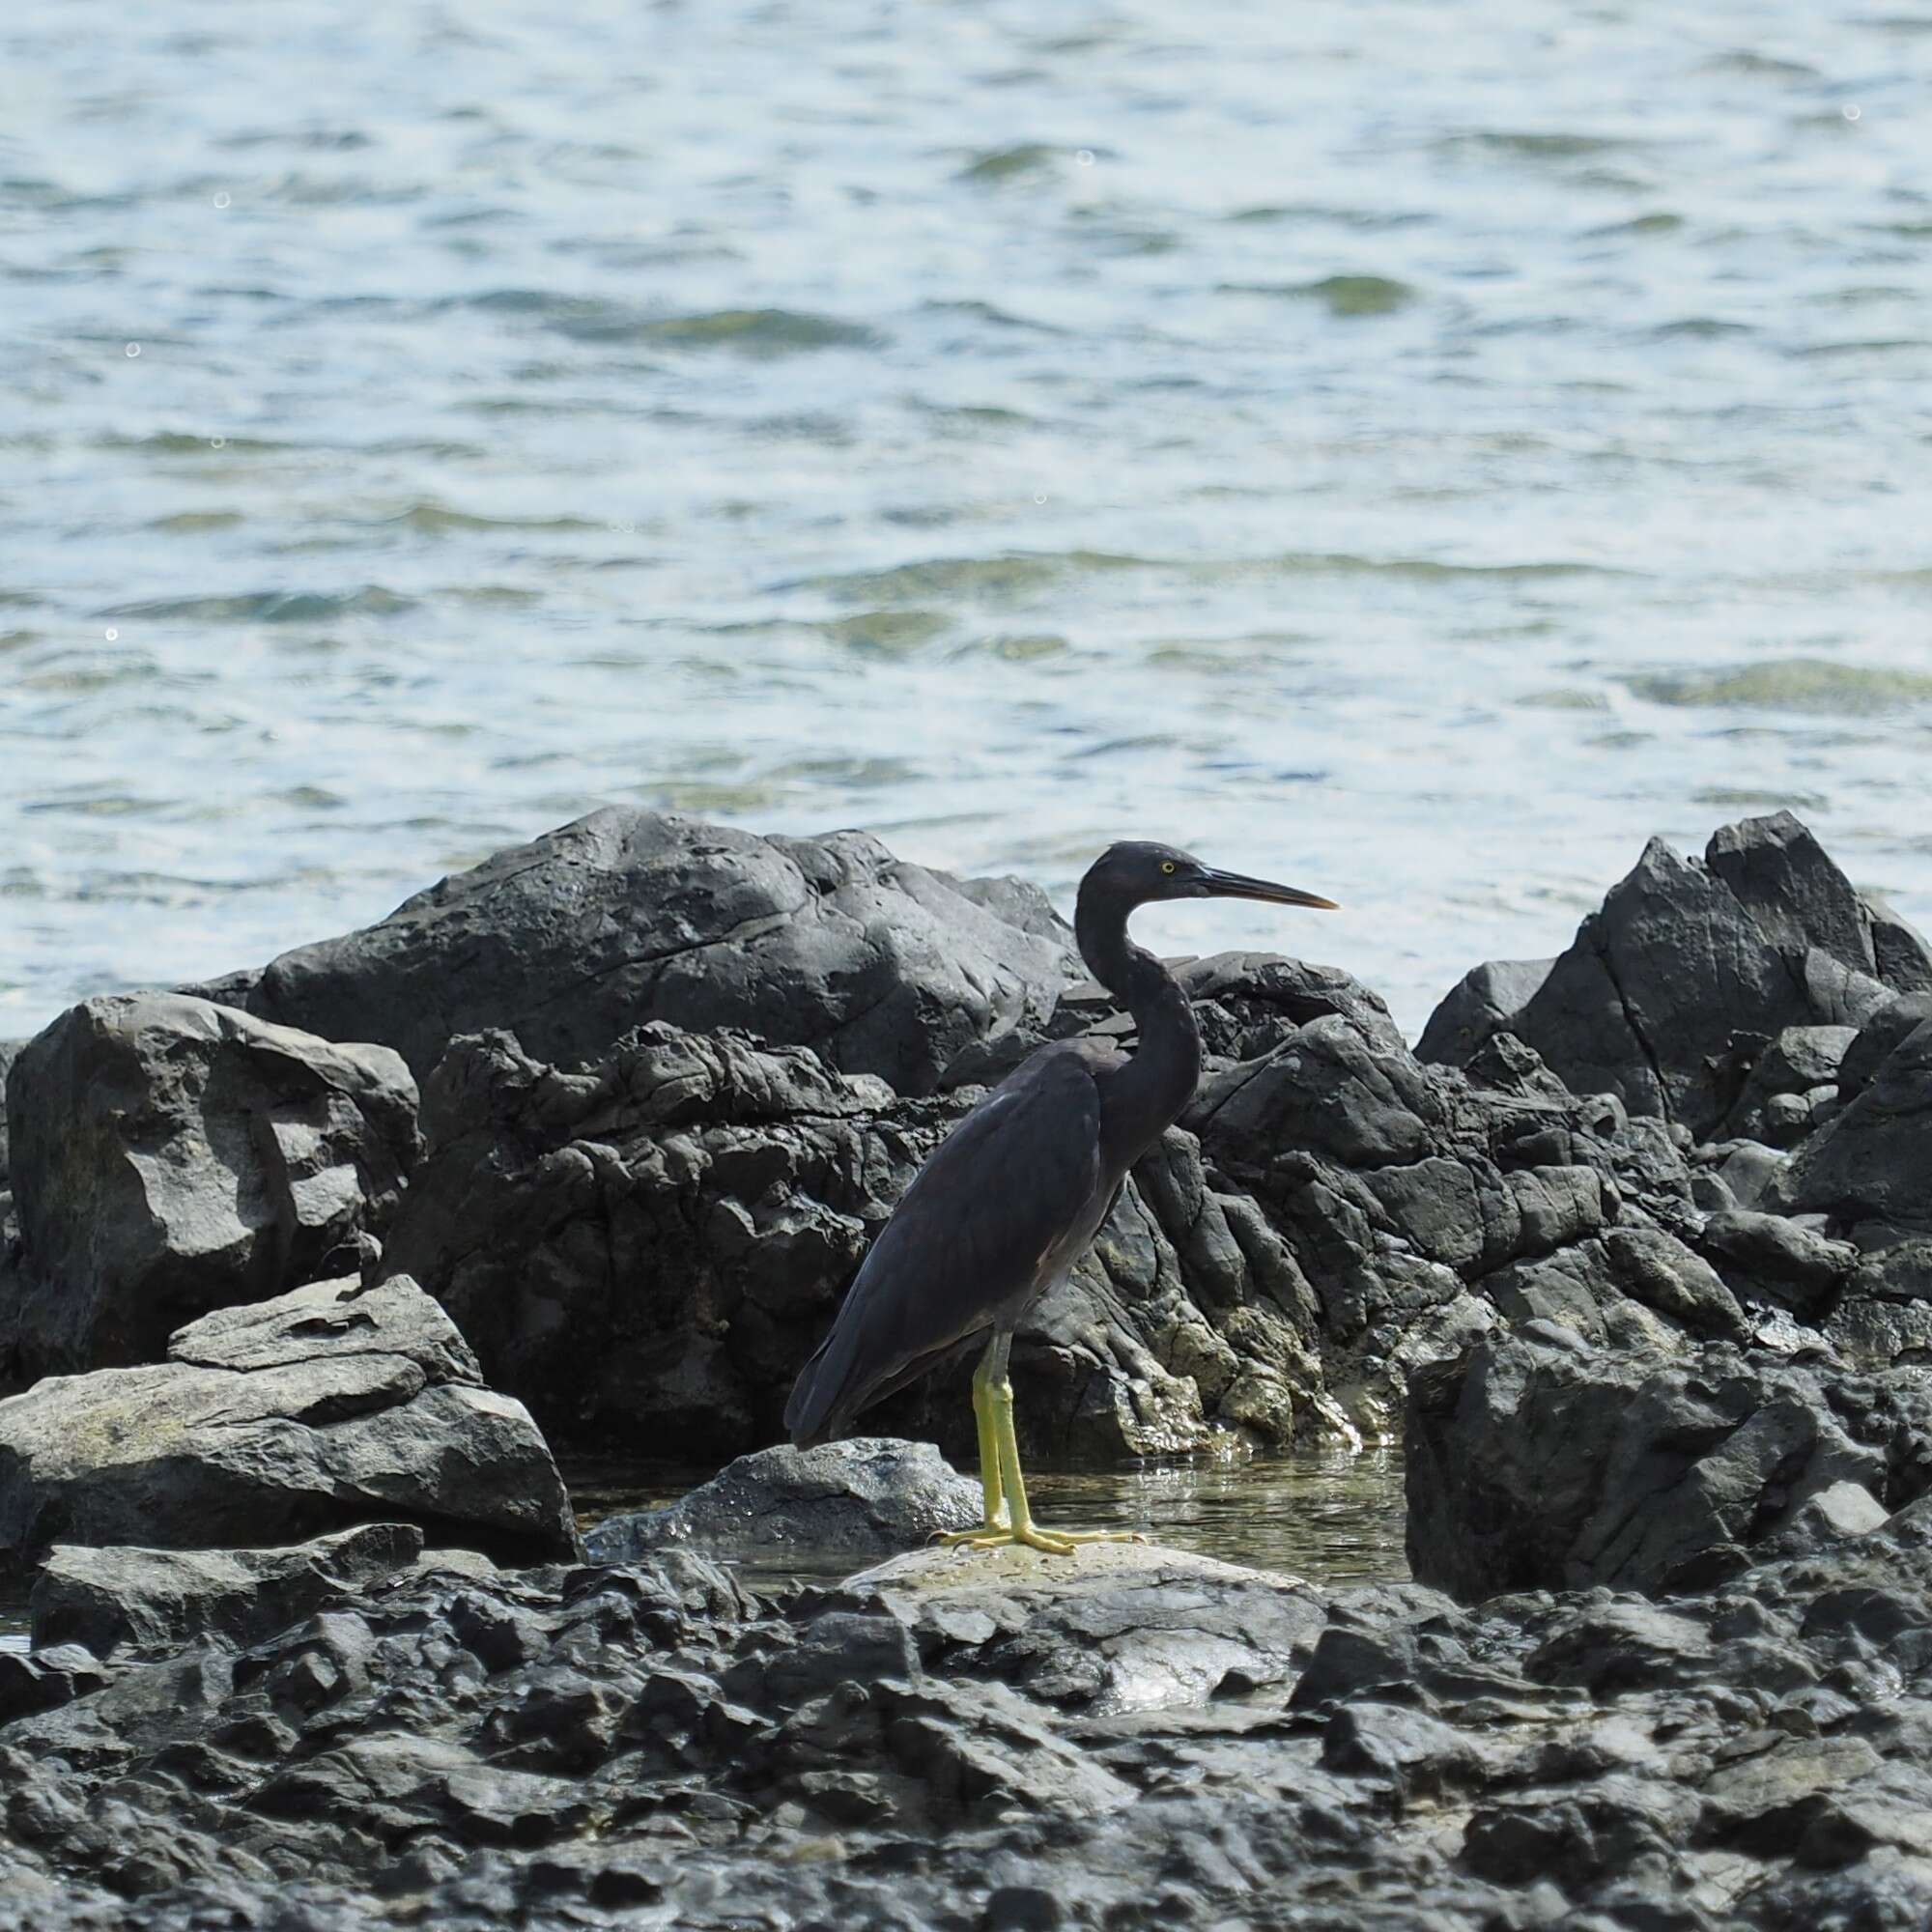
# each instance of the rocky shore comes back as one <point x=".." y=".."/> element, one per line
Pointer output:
<point x="306" y="1272"/>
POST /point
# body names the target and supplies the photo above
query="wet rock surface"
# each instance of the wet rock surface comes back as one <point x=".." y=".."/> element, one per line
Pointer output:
<point x="326" y="1406"/>
<point x="1124" y="1740"/>
<point x="169" y="1156"/>
<point x="867" y="1496"/>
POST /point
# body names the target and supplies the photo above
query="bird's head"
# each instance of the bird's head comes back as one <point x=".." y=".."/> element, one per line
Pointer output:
<point x="1139" y="870"/>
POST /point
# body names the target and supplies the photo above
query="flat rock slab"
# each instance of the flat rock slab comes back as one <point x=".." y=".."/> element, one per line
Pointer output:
<point x="1111" y="1627"/>
<point x="862" y="1498"/>
<point x="950" y="1572"/>
<point x="328" y="1430"/>
<point x="158" y="1599"/>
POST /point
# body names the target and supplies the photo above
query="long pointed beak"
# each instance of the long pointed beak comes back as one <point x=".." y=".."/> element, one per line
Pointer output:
<point x="1238" y="885"/>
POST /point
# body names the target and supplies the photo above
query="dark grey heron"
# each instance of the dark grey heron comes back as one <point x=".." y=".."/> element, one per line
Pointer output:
<point x="1009" y="1201"/>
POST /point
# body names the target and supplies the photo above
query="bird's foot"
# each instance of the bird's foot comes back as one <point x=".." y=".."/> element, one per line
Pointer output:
<point x="1030" y="1535"/>
<point x="985" y="1534"/>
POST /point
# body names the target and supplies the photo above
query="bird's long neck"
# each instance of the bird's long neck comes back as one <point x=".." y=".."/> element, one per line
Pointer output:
<point x="1159" y="1081"/>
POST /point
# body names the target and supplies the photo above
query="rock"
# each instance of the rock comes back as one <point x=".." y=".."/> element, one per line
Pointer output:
<point x="1902" y="956"/>
<point x="45" y="1678"/>
<point x="112" y="1599"/>
<point x="1660" y="1273"/>
<point x="1482" y="1004"/>
<point x="627" y="916"/>
<point x="1672" y="988"/>
<point x="1778" y="874"/>
<point x="1872" y="1044"/>
<point x="348" y="1406"/>
<point x="1798" y="1061"/>
<point x="1779" y="1258"/>
<point x="171" y="1157"/>
<point x="1869" y="1164"/>
<point x="1901" y="1271"/>
<point x="1537" y="1466"/>
<point x="1247" y="1003"/>
<point x="10" y="1051"/>
<point x="1749" y="1169"/>
<point x="863" y="1497"/>
<point x="1114" y="1626"/>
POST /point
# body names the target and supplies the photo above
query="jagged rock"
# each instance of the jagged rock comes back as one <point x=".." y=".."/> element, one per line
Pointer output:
<point x="1869" y="1165"/>
<point x="1125" y="1737"/>
<point x="1674" y="988"/>
<point x="1799" y="1063"/>
<point x="170" y="1156"/>
<point x="1902" y="954"/>
<point x="867" y="1496"/>
<point x="119" y="1599"/>
<point x="1871" y="1047"/>
<point x="1482" y="1004"/>
<point x="46" y="1678"/>
<point x="1779" y="1258"/>
<point x="349" y="1405"/>
<point x="628" y="915"/>
<point x="1247" y="1003"/>
<point x="1537" y="1461"/>
<point x="10" y="1051"/>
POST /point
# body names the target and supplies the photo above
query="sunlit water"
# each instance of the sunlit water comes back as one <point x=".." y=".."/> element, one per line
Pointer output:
<point x="1322" y="1513"/>
<point x="1415" y="449"/>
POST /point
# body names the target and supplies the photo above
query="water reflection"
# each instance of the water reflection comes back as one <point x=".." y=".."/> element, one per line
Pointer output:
<point x="1324" y="1514"/>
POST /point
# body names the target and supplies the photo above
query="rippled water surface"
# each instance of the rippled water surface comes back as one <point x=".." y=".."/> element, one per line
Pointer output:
<point x="1322" y="1513"/>
<point x="1417" y="449"/>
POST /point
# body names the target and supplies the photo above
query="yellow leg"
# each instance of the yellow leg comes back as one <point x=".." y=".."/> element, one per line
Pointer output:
<point x="1019" y="1526"/>
<point x="989" y="1458"/>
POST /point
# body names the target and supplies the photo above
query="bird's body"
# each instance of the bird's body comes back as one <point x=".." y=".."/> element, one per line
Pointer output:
<point x="1014" y="1195"/>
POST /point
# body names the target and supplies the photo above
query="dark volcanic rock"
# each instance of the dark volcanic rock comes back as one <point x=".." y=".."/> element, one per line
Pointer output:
<point x="1482" y="1004"/>
<point x="327" y="1406"/>
<point x="1871" y="1164"/>
<point x="628" y="916"/>
<point x="1535" y="1461"/>
<point x="170" y="1156"/>
<point x="112" y="1599"/>
<point x="868" y="1496"/>
<point x="1126" y="1739"/>
<point x="1672" y="991"/>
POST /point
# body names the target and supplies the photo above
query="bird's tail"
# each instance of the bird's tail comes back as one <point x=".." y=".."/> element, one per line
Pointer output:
<point x="808" y="1416"/>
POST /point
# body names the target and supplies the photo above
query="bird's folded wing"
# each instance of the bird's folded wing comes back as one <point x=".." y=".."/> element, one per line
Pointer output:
<point x="968" y="1237"/>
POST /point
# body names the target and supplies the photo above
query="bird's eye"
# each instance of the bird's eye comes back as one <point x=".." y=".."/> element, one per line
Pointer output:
<point x="1167" y="865"/>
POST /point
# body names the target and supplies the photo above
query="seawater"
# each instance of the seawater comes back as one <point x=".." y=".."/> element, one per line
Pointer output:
<point x="1415" y="451"/>
<point x="1327" y="1515"/>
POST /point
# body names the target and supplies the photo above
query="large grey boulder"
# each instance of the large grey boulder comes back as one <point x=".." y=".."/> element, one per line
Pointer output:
<point x="628" y="915"/>
<point x="1535" y="1461"/>
<point x="170" y="1156"/>
<point x="865" y="1498"/>
<point x="329" y="1405"/>
<point x="1672" y="991"/>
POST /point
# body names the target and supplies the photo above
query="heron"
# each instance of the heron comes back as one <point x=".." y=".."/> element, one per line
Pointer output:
<point x="1016" y="1192"/>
